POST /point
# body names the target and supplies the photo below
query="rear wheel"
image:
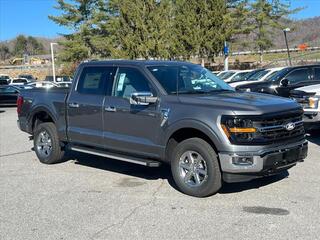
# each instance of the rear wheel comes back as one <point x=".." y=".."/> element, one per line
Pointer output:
<point x="46" y="143"/>
<point x="195" y="168"/>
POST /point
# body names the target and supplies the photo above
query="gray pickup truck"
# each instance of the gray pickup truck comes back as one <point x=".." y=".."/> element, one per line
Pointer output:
<point x="153" y="112"/>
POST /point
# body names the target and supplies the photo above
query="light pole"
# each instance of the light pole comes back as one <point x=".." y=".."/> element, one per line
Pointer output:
<point x="285" y="37"/>
<point x="52" y="59"/>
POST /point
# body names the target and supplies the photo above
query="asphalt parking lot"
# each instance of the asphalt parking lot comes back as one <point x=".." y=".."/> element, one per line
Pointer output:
<point x="88" y="197"/>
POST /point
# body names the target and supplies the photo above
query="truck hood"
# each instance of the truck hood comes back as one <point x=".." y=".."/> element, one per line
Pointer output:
<point x="310" y="89"/>
<point x="241" y="103"/>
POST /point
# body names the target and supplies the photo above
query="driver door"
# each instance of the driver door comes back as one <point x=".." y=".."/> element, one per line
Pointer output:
<point x="131" y="128"/>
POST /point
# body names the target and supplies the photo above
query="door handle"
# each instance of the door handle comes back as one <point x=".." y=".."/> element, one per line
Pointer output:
<point x="110" y="109"/>
<point x="73" y="105"/>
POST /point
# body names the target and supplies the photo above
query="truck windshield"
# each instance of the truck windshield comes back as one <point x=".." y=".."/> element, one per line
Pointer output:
<point x="188" y="79"/>
<point x="277" y="75"/>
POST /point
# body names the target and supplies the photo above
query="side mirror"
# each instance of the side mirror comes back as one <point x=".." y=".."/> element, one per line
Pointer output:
<point x="142" y="98"/>
<point x="284" y="82"/>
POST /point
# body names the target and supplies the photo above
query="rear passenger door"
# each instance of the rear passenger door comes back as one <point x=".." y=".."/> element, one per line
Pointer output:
<point x="131" y="128"/>
<point x="85" y="105"/>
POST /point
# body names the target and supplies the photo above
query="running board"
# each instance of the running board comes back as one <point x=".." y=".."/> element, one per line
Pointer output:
<point x="144" y="162"/>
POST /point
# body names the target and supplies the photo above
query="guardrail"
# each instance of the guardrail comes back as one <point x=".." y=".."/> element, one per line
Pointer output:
<point x="274" y="51"/>
<point x="25" y="66"/>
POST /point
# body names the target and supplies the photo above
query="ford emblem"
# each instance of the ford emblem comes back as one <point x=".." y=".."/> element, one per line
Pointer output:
<point x="290" y="126"/>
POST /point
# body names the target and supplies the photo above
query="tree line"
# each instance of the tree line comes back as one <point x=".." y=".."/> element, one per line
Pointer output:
<point x="21" y="45"/>
<point x="163" y="29"/>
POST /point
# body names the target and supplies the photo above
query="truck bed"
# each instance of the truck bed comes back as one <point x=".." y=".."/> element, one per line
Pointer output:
<point x="42" y="98"/>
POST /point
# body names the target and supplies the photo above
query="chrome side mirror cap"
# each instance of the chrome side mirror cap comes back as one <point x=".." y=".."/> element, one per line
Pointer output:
<point x="142" y="98"/>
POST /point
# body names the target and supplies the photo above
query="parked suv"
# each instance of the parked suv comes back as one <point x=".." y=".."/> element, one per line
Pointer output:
<point x="153" y="112"/>
<point x="286" y="80"/>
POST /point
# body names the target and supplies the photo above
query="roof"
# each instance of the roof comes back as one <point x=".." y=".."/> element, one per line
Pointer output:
<point x="135" y="62"/>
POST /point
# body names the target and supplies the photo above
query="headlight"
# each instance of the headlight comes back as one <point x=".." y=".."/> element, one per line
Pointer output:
<point x="238" y="130"/>
<point x="248" y="90"/>
<point x="313" y="102"/>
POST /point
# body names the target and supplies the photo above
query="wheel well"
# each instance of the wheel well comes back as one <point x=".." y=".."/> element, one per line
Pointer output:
<point x="40" y="117"/>
<point x="183" y="134"/>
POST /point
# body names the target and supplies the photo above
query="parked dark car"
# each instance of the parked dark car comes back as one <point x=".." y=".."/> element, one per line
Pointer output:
<point x="177" y="113"/>
<point x="29" y="77"/>
<point x="282" y="82"/>
<point x="8" y="95"/>
<point x="4" y="80"/>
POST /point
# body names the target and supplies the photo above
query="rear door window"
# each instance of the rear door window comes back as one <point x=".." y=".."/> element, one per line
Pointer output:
<point x="96" y="80"/>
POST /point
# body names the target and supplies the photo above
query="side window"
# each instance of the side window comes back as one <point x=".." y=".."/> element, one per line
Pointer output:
<point x="297" y="76"/>
<point x="317" y="74"/>
<point x="128" y="81"/>
<point x="96" y="80"/>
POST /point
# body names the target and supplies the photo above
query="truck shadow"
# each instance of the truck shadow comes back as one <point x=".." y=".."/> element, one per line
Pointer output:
<point x="162" y="172"/>
<point x="107" y="164"/>
<point x="254" y="184"/>
<point x="314" y="137"/>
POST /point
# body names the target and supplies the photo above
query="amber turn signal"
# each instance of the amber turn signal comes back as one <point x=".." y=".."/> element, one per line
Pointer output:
<point x="242" y="130"/>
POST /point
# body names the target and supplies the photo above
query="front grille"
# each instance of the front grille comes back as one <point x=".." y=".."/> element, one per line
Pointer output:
<point x="281" y="127"/>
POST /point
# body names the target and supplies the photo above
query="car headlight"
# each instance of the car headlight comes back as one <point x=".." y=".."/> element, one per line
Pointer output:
<point x="238" y="130"/>
<point x="313" y="102"/>
<point x="248" y="90"/>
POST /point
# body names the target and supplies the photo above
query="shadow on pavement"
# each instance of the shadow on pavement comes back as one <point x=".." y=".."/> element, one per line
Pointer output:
<point x="130" y="169"/>
<point x="314" y="137"/>
<point x="162" y="172"/>
<point x="2" y="111"/>
<point x="254" y="184"/>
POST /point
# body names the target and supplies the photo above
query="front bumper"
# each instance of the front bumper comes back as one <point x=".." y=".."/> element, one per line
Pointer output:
<point x="264" y="163"/>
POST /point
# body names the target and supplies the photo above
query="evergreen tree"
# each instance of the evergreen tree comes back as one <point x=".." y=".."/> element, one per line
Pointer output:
<point x="199" y="30"/>
<point x="82" y="17"/>
<point x="266" y="16"/>
<point x="4" y="52"/>
<point x="34" y="47"/>
<point x="140" y="29"/>
<point x="20" y="46"/>
<point x="236" y="18"/>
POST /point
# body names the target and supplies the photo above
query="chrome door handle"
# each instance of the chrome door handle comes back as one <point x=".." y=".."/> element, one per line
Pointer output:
<point x="73" y="105"/>
<point x="110" y="109"/>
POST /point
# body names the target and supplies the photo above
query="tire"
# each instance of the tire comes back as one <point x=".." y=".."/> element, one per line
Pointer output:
<point x="201" y="178"/>
<point x="46" y="143"/>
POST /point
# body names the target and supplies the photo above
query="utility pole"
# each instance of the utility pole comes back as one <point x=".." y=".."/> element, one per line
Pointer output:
<point x="52" y="59"/>
<point x="288" y="50"/>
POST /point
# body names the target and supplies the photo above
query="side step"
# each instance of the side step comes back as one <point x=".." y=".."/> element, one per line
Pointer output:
<point x="144" y="162"/>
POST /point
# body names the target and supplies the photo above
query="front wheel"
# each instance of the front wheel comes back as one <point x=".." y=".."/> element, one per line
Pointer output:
<point x="46" y="143"/>
<point x="195" y="168"/>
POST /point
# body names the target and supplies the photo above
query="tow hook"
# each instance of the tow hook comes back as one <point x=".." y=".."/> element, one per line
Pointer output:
<point x="30" y="138"/>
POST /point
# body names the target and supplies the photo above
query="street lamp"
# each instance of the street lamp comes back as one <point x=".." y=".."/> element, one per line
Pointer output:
<point x="52" y="59"/>
<point x="285" y="37"/>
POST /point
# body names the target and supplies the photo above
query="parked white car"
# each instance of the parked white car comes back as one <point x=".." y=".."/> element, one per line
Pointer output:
<point x="19" y="81"/>
<point x="226" y="74"/>
<point x="309" y="98"/>
<point x="258" y="77"/>
<point x="237" y="76"/>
